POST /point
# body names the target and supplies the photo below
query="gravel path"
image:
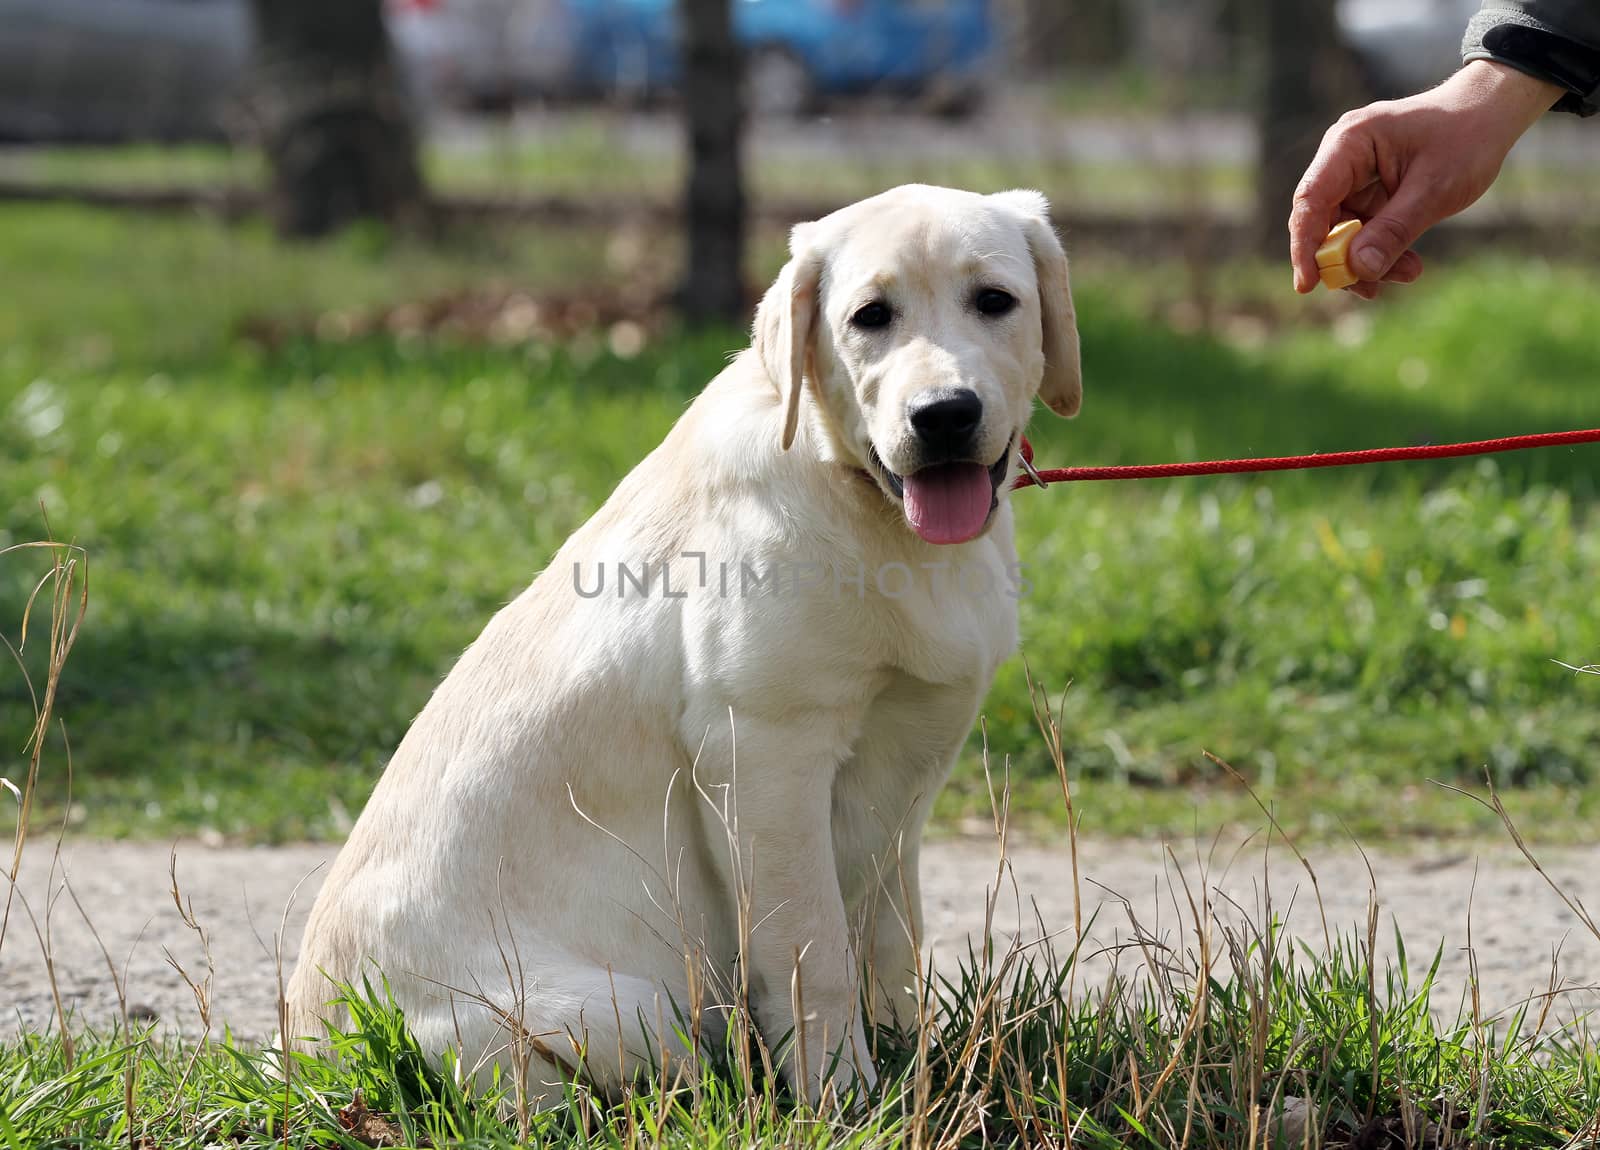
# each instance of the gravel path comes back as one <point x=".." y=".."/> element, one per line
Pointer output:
<point x="240" y="896"/>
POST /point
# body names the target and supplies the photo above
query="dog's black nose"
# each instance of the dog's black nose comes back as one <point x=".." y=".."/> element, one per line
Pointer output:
<point x="945" y="420"/>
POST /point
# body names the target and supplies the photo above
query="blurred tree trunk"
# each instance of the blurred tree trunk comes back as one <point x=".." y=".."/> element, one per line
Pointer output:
<point x="1309" y="81"/>
<point x="714" y="207"/>
<point x="334" y="117"/>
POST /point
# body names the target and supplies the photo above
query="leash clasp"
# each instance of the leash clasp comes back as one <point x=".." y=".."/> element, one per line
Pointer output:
<point x="1033" y="473"/>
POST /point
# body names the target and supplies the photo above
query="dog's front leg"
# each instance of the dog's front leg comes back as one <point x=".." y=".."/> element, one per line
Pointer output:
<point x="774" y="814"/>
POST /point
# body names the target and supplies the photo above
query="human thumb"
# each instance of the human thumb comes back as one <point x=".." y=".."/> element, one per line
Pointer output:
<point x="1386" y="236"/>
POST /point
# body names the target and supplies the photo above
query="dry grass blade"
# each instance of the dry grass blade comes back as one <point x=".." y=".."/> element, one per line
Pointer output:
<point x="119" y="982"/>
<point x="69" y="600"/>
<point x="1493" y="803"/>
<point x="41" y="933"/>
<point x="1316" y="889"/>
<point x="202" y="989"/>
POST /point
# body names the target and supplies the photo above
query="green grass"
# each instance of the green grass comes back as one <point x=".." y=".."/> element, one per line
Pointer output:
<point x="289" y="546"/>
<point x="584" y="157"/>
<point x="594" y="155"/>
<point x="1006" y="1055"/>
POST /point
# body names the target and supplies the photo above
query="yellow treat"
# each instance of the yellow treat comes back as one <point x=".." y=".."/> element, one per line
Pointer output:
<point x="1333" y="257"/>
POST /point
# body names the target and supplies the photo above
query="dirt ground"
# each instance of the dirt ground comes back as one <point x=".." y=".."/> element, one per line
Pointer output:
<point x="242" y="896"/>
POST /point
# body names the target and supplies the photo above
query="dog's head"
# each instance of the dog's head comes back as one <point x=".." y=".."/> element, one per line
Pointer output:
<point x="925" y="320"/>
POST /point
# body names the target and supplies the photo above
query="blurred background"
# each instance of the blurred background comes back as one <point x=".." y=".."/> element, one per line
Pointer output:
<point x="322" y="325"/>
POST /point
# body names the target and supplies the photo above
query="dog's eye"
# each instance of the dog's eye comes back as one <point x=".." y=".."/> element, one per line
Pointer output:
<point x="874" y="315"/>
<point x="993" y="301"/>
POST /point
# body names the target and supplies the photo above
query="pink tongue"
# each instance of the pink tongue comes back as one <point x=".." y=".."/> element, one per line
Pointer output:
<point x="949" y="503"/>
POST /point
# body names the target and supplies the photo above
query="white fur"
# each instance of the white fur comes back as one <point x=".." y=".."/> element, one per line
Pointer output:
<point x="616" y="806"/>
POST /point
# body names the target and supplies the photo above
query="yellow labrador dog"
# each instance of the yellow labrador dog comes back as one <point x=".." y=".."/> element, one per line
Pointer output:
<point x="694" y="759"/>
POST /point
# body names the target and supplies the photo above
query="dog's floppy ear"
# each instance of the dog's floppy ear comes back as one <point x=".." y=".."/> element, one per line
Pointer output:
<point x="1062" y="388"/>
<point x="786" y="325"/>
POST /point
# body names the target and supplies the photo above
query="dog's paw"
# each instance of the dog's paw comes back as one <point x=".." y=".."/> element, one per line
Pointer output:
<point x="834" y="1074"/>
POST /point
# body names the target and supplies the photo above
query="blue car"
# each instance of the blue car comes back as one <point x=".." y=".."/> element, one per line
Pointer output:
<point x="802" y="53"/>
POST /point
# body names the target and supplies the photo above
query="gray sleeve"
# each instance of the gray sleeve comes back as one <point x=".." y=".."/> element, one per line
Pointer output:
<point x="1554" y="40"/>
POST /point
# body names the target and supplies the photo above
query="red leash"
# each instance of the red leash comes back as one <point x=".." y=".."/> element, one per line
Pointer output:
<point x="1031" y="478"/>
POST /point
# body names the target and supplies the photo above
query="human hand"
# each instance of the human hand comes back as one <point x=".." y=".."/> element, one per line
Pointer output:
<point x="1401" y="166"/>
